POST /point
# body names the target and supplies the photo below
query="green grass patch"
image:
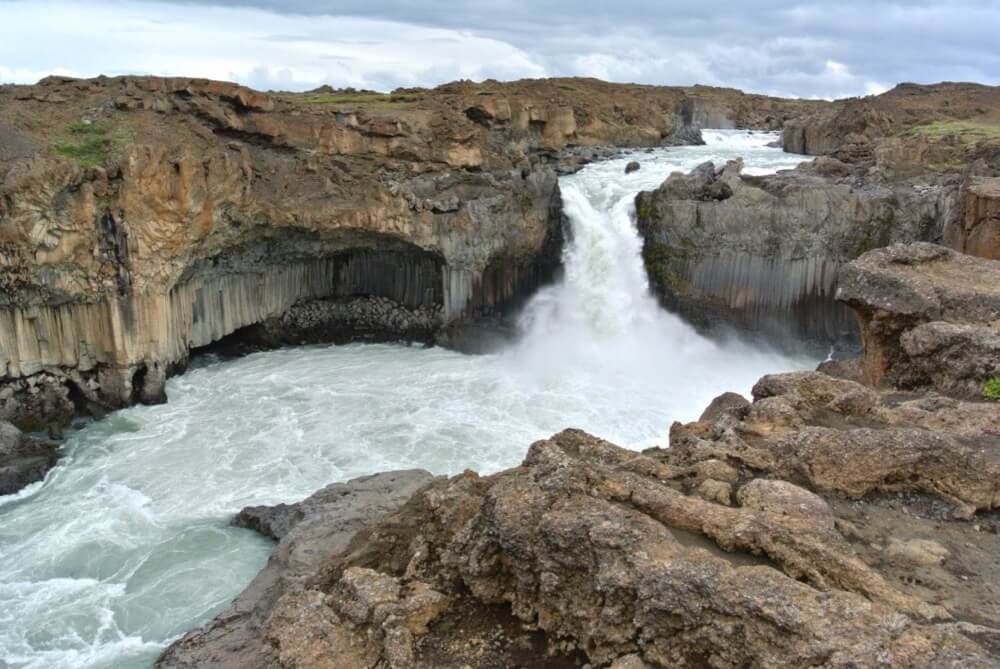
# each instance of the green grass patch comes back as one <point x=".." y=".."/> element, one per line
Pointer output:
<point x="991" y="389"/>
<point x="91" y="144"/>
<point x="970" y="132"/>
<point x="358" y="99"/>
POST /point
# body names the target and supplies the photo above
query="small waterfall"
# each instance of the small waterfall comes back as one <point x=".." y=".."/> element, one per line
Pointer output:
<point x="602" y="316"/>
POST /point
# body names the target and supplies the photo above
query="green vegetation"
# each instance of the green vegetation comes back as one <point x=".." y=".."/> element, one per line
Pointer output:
<point x="91" y="144"/>
<point x="357" y="99"/>
<point x="968" y="132"/>
<point x="991" y="389"/>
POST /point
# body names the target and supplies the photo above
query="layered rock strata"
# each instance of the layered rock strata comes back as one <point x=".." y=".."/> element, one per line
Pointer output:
<point x="141" y="218"/>
<point x="754" y="539"/>
<point x="930" y="317"/>
<point x="761" y="253"/>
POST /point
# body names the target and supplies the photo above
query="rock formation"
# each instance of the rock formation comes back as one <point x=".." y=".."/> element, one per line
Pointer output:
<point x="910" y="128"/>
<point x="23" y="459"/>
<point x="825" y="523"/>
<point x="930" y="317"/>
<point x="307" y="532"/>
<point x="976" y="230"/>
<point x="753" y="539"/>
<point x="141" y="218"/>
<point x="761" y="254"/>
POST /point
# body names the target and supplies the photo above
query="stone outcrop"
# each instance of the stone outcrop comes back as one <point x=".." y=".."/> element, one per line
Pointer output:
<point x="976" y="230"/>
<point x="753" y="539"/>
<point x="930" y="317"/>
<point x="23" y="459"/>
<point x="142" y="217"/>
<point x="307" y="532"/>
<point x="761" y="253"/>
<point x="909" y="129"/>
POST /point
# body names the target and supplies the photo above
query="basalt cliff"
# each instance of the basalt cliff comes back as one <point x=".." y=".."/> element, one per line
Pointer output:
<point x="822" y="523"/>
<point x="760" y="254"/>
<point x="143" y="218"/>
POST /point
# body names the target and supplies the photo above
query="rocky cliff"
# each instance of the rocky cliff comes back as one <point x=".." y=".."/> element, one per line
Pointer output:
<point x="141" y="218"/>
<point x="976" y="230"/>
<point x="761" y="254"/>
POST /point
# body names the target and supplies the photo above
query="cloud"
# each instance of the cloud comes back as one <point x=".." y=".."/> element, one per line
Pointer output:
<point x="784" y="47"/>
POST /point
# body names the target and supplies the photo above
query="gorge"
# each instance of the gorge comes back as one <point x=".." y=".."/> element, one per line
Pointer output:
<point x="596" y="351"/>
<point x="219" y="218"/>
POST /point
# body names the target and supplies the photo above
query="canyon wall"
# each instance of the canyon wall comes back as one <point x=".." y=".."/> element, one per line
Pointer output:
<point x="761" y="254"/>
<point x="142" y="217"/>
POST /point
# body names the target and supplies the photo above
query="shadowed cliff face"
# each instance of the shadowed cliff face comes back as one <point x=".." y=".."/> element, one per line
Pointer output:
<point x="143" y="217"/>
<point x="761" y="254"/>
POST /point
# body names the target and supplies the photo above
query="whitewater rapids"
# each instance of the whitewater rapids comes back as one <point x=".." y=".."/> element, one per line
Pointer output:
<point x="126" y="544"/>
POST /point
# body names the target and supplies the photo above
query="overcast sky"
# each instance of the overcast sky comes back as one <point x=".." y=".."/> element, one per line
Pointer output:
<point x="807" y="49"/>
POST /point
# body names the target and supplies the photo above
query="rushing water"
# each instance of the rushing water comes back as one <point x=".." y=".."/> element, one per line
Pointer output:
<point x="126" y="544"/>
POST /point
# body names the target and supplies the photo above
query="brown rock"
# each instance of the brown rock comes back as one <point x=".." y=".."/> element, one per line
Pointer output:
<point x="976" y="231"/>
<point x="929" y="317"/>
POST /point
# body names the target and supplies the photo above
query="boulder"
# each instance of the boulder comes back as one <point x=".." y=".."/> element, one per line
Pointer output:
<point x="23" y="459"/>
<point x="930" y="317"/>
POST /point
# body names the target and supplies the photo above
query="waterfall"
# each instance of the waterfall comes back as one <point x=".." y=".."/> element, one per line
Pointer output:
<point x="602" y="316"/>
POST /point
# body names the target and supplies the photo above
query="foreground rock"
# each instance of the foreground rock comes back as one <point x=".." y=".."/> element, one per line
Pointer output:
<point x="761" y="254"/>
<point x="823" y="524"/>
<point x="23" y="460"/>
<point x="307" y="533"/>
<point x="930" y="317"/>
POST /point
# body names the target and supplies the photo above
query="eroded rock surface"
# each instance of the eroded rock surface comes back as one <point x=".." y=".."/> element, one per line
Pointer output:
<point x="23" y="459"/>
<point x="822" y="524"/>
<point x="930" y="317"/>
<point x="308" y="532"/>
<point x="761" y="254"/>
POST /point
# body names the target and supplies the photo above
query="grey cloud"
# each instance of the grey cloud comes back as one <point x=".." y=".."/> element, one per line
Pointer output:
<point x="788" y="47"/>
<point x="768" y="45"/>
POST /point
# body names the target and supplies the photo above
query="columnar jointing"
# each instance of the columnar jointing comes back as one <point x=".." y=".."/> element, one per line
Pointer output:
<point x="156" y="330"/>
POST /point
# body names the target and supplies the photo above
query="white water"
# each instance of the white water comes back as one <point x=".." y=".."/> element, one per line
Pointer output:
<point x="126" y="544"/>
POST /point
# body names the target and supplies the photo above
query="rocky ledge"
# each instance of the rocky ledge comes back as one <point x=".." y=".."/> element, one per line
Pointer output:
<point x="822" y="523"/>
<point x="930" y="317"/>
